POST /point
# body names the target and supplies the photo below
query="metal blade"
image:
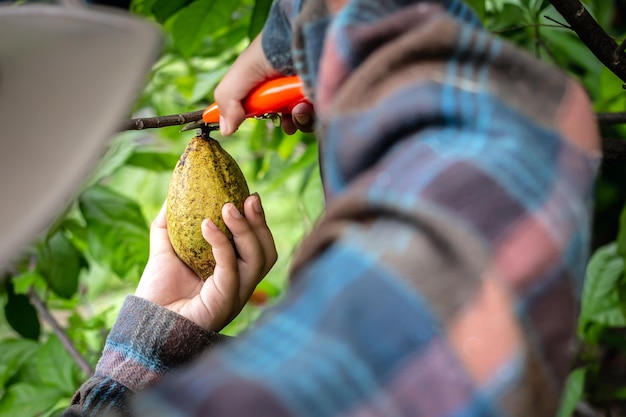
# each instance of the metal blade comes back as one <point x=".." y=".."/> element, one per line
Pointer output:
<point x="200" y="125"/>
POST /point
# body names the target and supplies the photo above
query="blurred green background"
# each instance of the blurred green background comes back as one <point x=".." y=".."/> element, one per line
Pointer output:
<point x="80" y="270"/>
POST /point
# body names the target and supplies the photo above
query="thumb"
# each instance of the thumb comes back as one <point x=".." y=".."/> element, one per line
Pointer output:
<point x="249" y="69"/>
<point x="159" y="238"/>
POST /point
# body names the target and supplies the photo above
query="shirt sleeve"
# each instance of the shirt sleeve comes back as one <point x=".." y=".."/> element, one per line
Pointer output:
<point x="443" y="277"/>
<point x="277" y="35"/>
<point x="146" y="343"/>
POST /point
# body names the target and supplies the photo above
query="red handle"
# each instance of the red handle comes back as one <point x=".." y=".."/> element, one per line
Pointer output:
<point x="279" y="95"/>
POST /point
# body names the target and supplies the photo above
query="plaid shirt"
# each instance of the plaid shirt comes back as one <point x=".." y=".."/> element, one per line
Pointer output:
<point x="443" y="277"/>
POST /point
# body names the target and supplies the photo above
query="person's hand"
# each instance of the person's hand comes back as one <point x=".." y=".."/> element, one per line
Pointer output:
<point x="250" y="69"/>
<point x="168" y="282"/>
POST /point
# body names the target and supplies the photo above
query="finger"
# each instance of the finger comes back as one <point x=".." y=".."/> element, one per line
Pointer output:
<point x="225" y="279"/>
<point x="303" y="116"/>
<point x="249" y="69"/>
<point x="251" y="255"/>
<point x="159" y="238"/>
<point x="160" y="220"/>
<point x="228" y="95"/>
<point x="287" y="124"/>
<point x="248" y="246"/>
<point x="253" y="210"/>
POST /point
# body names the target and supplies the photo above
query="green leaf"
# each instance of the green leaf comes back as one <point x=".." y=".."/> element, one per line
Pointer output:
<point x="142" y="7"/>
<point x="58" y="412"/>
<point x="13" y="354"/>
<point x="55" y="367"/>
<point x="604" y="12"/>
<point x="164" y="9"/>
<point x="51" y="367"/>
<point x="115" y="158"/>
<point x="117" y="230"/>
<point x="511" y="15"/>
<point x="59" y="262"/>
<point x="262" y="9"/>
<point x="308" y="159"/>
<point x="154" y="161"/>
<point x="288" y="145"/>
<point x="27" y="400"/>
<point x="569" y="52"/>
<point x="611" y="95"/>
<point x="228" y="42"/>
<point x="618" y="394"/>
<point x="478" y="6"/>
<point x="573" y="392"/>
<point x="76" y="233"/>
<point x="24" y="281"/>
<point x="100" y="204"/>
<point x="205" y="84"/>
<point x="601" y="301"/>
<point x="535" y="7"/>
<point x="199" y="20"/>
<point x="21" y="315"/>
<point x="269" y="288"/>
<point x="311" y="172"/>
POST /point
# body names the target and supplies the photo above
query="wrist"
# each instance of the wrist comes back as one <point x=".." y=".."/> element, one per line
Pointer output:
<point x="147" y="341"/>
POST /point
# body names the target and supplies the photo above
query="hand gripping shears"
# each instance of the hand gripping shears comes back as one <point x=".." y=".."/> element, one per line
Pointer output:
<point x="276" y="96"/>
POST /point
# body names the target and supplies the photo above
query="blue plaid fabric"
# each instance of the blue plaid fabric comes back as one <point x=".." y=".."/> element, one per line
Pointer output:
<point x="443" y="276"/>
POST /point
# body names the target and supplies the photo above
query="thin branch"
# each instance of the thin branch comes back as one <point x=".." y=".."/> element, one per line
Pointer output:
<point x="613" y="149"/>
<point x="558" y="24"/>
<point x="59" y="332"/>
<point x="184" y="118"/>
<point x="541" y="44"/>
<point x="162" y="121"/>
<point x="611" y="118"/>
<point x="546" y="48"/>
<point x="592" y="35"/>
<point x="530" y="25"/>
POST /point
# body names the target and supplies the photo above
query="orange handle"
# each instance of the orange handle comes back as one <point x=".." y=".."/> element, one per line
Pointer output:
<point x="279" y="95"/>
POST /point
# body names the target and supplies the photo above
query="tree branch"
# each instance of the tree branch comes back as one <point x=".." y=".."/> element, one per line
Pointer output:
<point x="59" y="332"/>
<point x="184" y="118"/>
<point x="611" y="118"/>
<point x="593" y="36"/>
<point x="613" y="149"/>
<point x="162" y="121"/>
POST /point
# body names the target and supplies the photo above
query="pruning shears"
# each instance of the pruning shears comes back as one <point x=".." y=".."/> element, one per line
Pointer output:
<point x="276" y="96"/>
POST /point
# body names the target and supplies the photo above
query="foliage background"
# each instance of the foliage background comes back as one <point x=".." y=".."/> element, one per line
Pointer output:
<point x="76" y="275"/>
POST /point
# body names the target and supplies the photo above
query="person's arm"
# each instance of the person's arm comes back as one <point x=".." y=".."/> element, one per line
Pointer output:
<point x="443" y="276"/>
<point x="268" y="56"/>
<point x="174" y="317"/>
<point x="146" y="343"/>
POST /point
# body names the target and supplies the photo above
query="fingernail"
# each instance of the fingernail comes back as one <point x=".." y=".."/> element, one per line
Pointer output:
<point x="256" y="203"/>
<point x="302" y="118"/>
<point x="233" y="211"/>
<point x="208" y="223"/>
<point x="224" y="130"/>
